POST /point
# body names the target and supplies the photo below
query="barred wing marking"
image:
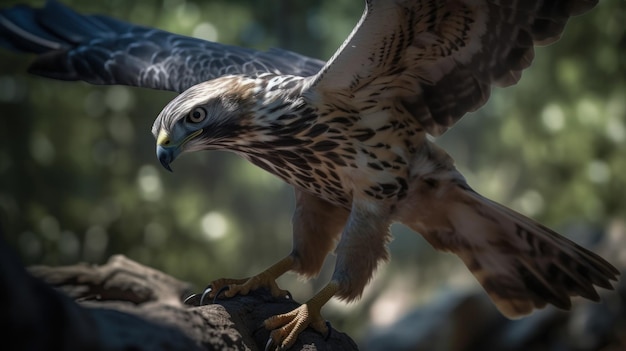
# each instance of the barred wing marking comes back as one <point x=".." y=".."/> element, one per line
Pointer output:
<point x="439" y="58"/>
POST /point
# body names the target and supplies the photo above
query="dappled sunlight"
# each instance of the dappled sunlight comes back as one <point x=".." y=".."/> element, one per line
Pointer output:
<point x="187" y="13"/>
<point x="149" y="182"/>
<point x="79" y="180"/>
<point x="206" y="31"/>
<point x="119" y="98"/>
<point x="589" y="113"/>
<point x="615" y="130"/>
<point x="598" y="171"/>
<point x="499" y="181"/>
<point x="214" y="225"/>
<point x="392" y="303"/>
<point x="512" y="132"/>
<point x="553" y="118"/>
<point x="531" y="203"/>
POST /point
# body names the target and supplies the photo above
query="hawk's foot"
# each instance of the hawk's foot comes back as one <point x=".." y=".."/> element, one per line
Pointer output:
<point x="286" y="327"/>
<point x="265" y="279"/>
<point x="232" y="287"/>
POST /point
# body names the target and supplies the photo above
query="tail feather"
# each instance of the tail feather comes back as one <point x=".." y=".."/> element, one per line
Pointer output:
<point x="520" y="263"/>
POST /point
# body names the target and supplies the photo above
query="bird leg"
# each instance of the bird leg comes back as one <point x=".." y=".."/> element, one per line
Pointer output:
<point x="266" y="279"/>
<point x="361" y="248"/>
<point x="286" y="327"/>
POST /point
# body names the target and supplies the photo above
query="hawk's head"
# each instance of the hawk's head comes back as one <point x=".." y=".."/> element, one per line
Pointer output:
<point x="208" y="115"/>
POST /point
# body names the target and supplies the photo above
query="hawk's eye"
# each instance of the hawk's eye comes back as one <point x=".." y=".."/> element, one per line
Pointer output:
<point x="196" y="115"/>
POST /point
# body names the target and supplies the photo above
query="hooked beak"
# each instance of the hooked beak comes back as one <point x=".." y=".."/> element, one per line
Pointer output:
<point x="166" y="156"/>
<point x="167" y="151"/>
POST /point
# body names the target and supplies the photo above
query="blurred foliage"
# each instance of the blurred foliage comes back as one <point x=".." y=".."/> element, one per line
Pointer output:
<point x="79" y="180"/>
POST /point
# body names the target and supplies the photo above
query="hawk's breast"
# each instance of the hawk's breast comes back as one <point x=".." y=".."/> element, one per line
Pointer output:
<point x="334" y="150"/>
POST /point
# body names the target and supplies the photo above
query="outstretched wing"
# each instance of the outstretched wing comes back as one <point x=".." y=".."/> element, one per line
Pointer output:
<point x="103" y="50"/>
<point x="439" y="58"/>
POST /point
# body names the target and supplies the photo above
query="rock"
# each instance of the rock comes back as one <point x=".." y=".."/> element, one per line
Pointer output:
<point x="123" y="305"/>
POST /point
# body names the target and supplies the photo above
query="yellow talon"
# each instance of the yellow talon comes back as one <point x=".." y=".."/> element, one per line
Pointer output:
<point x="265" y="279"/>
<point x="286" y="327"/>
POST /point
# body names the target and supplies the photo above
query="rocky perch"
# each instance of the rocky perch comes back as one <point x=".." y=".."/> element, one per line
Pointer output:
<point x="123" y="305"/>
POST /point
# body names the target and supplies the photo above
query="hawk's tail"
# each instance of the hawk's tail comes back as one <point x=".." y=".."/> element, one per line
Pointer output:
<point x="520" y="263"/>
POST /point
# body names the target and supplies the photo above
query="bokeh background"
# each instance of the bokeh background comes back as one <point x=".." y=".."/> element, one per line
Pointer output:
<point x="79" y="180"/>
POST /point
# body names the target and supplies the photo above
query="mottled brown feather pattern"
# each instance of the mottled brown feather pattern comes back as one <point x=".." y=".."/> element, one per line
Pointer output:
<point x="353" y="142"/>
<point x="521" y="264"/>
<point x="351" y="138"/>
<point x="446" y="53"/>
<point x="324" y="150"/>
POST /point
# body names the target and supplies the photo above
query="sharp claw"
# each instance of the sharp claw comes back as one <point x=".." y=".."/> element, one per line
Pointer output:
<point x="269" y="345"/>
<point x="205" y="293"/>
<point x="221" y="290"/>
<point x="209" y="292"/>
<point x="330" y="329"/>
<point x="187" y="301"/>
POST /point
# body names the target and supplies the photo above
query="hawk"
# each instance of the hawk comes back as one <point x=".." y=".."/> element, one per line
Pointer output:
<point x="351" y="135"/>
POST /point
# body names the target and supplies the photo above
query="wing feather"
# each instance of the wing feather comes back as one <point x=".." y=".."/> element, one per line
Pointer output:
<point x="102" y="50"/>
<point x="443" y="56"/>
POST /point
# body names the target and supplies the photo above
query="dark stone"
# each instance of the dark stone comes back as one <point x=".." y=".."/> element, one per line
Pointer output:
<point x="123" y="305"/>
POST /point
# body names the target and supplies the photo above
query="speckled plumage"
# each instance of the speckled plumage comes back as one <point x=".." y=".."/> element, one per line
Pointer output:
<point x="354" y="135"/>
<point x="351" y="137"/>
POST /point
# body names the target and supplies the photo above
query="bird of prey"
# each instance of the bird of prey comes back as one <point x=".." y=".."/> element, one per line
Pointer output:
<point x="350" y="135"/>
